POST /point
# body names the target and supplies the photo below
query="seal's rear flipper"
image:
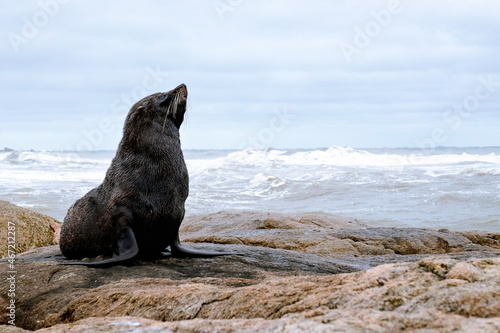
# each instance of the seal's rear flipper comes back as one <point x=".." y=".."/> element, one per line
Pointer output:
<point x="179" y="251"/>
<point x="127" y="249"/>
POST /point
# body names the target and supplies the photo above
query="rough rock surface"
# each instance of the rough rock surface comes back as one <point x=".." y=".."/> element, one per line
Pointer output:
<point x="294" y="275"/>
<point x="32" y="229"/>
<point x="328" y="235"/>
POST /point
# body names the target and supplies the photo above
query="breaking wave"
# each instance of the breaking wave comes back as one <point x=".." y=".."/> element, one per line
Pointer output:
<point x="445" y="187"/>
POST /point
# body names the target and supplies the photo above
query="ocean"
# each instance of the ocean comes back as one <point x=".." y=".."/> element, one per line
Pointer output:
<point x="452" y="188"/>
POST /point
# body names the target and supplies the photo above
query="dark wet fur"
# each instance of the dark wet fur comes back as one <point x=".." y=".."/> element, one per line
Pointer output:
<point x="143" y="193"/>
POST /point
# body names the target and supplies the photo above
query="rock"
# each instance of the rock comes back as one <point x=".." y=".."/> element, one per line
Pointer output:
<point x="312" y="273"/>
<point x="45" y="287"/>
<point x="391" y="297"/>
<point x="483" y="238"/>
<point x="328" y="235"/>
<point x="273" y="230"/>
<point x="31" y="229"/>
<point x="464" y="271"/>
<point x="12" y="329"/>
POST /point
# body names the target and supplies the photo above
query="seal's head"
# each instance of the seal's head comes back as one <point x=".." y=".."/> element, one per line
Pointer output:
<point x="156" y="114"/>
<point x="160" y="107"/>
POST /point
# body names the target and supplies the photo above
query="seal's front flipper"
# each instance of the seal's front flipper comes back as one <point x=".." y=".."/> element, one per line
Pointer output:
<point x="179" y="251"/>
<point x="126" y="246"/>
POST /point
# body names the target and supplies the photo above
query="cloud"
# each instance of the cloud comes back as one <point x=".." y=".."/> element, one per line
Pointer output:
<point x="243" y="63"/>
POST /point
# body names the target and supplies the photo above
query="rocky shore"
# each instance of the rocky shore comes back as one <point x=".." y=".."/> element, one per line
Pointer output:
<point x="301" y="273"/>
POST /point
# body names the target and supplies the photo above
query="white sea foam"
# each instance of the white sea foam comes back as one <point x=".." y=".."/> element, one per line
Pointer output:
<point x="340" y="156"/>
<point x="445" y="187"/>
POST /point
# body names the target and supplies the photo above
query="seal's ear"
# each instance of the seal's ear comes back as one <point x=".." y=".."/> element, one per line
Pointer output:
<point x="137" y="113"/>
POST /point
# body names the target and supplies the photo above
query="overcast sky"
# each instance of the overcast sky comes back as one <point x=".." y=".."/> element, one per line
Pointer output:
<point x="283" y="74"/>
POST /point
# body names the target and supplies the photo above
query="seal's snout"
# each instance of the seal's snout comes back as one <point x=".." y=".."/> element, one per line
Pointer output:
<point x="182" y="91"/>
<point x="181" y="86"/>
<point x="174" y="101"/>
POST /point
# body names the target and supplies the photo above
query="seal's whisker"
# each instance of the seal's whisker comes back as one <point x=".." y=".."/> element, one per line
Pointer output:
<point x="172" y="109"/>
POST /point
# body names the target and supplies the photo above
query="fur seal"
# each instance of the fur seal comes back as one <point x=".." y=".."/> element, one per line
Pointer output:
<point x="139" y="207"/>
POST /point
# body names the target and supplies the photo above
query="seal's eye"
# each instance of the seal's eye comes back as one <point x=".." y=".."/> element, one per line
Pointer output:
<point x="164" y="100"/>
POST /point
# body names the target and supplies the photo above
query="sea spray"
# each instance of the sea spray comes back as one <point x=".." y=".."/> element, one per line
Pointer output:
<point x="455" y="188"/>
